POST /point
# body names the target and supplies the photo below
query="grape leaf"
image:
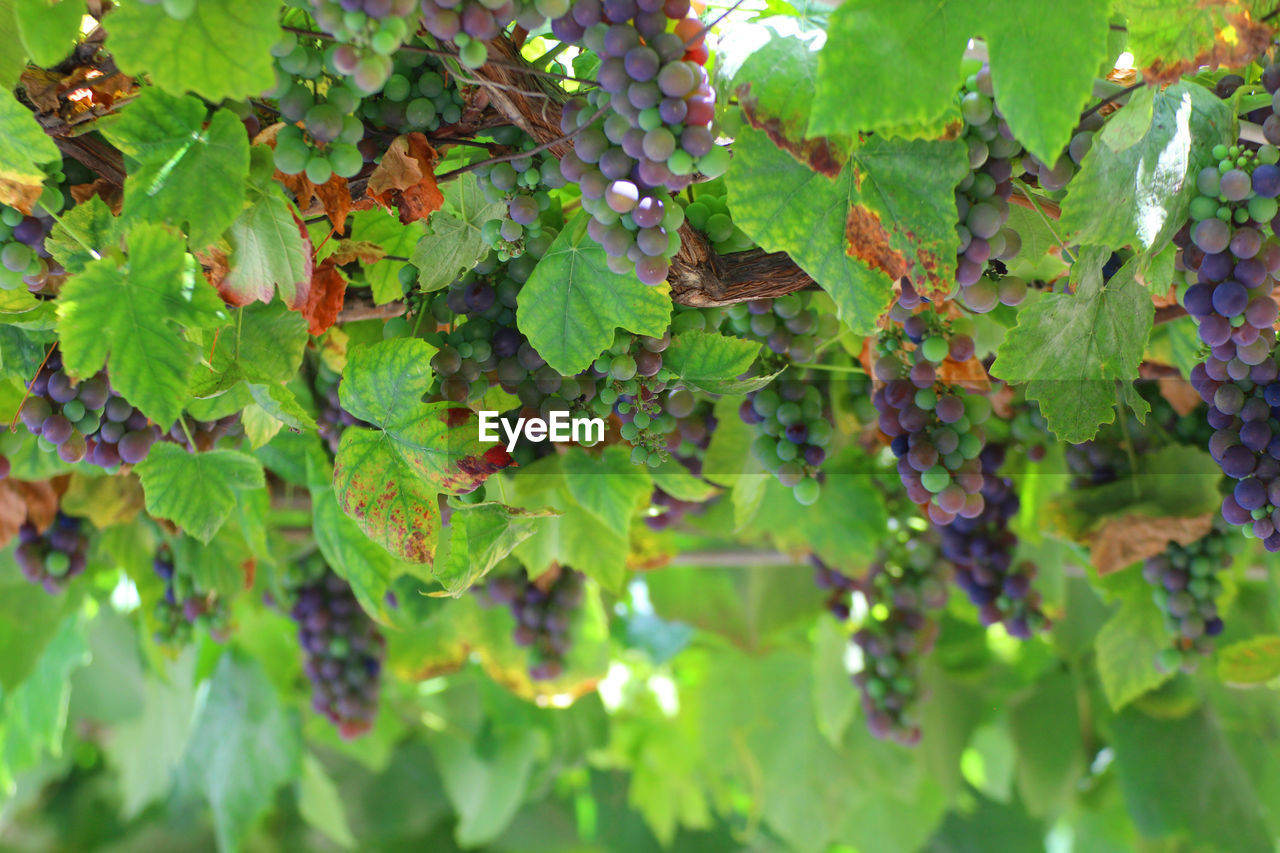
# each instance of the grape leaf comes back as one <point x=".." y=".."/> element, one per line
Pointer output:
<point x="1140" y="196"/>
<point x="263" y="345"/>
<point x="907" y="63"/>
<point x="358" y="559"/>
<point x="480" y="535"/>
<point x="91" y="221"/>
<point x="1071" y="350"/>
<point x="710" y="362"/>
<point x="171" y="154"/>
<point x="571" y="305"/>
<point x="1126" y="650"/>
<point x="453" y="244"/>
<point x="269" y="251"/>
<point x="381" y="227"/>
<point x="320" y="804"/>
<point x="49" y="29"/>
<point x="29" y="620"/>
<point x="889" y="213"/>
<point x="486" y="786"/>
<point x="196" y="491"/>
<point x="387" y="478"/>
<point x="1048" y="767"/>
<point x="12" y="62"/>
<point x="674" y="479"/>
<point x="1169" y="38"/>
<point x="1252" y="661"/>
<point x="23" y="147"/>
<point x="1181" y="776"/>
<point x="129" y="317"/>
<point x="244" y="745"/>
<point x="608" y="486"/>
<point x="221" y="50"/>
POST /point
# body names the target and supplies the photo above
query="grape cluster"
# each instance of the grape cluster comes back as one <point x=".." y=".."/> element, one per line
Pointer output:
<point x="1186" y="589"/>
<point x="1232" y="253"/>
<point x="54" y="557"/>
<point x="1030" y="430"/>
<point x="85" y="420"/>
<point x="792" y="433"/>
<point x="367" y="34"/>
<point x="199" y="436"/>
<point x="522" y="184"/>
<point x="694" y="424"/>
<point x="1056" y="176"/>
<point x="708" y="211"/>
<point x="332" y="420"/>
<point x="1271" y="121"/>
<point x="420" y="95"/>
<point x="343" y="652"/>
<point x="310" y="90"/>
<point x="672" y="510"/>
<point x="934" y="427"/>
<point x="470" y="23"/>
<point x="644" y="132"/>
<point x="23" y="258"/>
<point x="838" y="586"/>
<point x="982" y="550"/>
<point x="543" y="613"/>
<point x="982" y="198"/>
<point x="790" y="326"/>
<point x="184" y="606"/>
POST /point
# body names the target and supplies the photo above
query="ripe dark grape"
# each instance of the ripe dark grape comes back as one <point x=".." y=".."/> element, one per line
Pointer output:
<point x="56" y="556"/>
<point x="343" y="651"/>
<point x="1186" y="588"/>
<point x="544" y="611"/>
<point x="184" y="605"/>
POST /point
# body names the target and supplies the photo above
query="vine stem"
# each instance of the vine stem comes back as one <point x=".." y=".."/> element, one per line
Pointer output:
<point x="1026" y="192"/>
<point x="187" y="432"/>
<point x="26" y="391"/>
<point x="471" y="167"/>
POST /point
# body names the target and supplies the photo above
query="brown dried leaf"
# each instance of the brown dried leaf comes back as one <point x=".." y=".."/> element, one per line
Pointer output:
<point x="1120" y="542"/>
<point x="364" y="251"/>
<point x="103" y="189"/>
<point x="406" y="178"/>
<point x="213" y="262"/>
<point x="324" y="301"/>
<point x="42" y="88"/>
<point x="1180" y="394"/>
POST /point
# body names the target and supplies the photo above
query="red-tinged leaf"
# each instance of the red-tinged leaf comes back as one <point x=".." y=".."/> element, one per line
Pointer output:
<point x="387" y="478"/>
<point x="270" y="251"/>
<point x="406" y="179"/>
<point x="325" y="296"/>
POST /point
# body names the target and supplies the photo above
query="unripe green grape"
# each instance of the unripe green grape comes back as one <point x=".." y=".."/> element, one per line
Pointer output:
<point x="474" y="54"/>
<point x="345" y="159"/>
<point x="318" y="169"/>
<point x="715" y="162"/>
<point x="807" y="491"/>
<point x="291" y="157"/>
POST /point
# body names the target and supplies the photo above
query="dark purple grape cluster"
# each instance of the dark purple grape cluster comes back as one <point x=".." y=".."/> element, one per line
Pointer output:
<point x="982" y="550"/>
<point x="343" y="651"/>
<point x="85" y="420"/>
<point x="838" y="586"/>
<point x="198" y="436"/>
<point x="183" y="607"/>
<point x="543" y="612"/>
<point x="1271" y="119"/>
<point x="982" y="198"/>
<point x="1186" y="589"/>
<point x="645" y="132"/>
<point x="470" y="23"/>
<point x="332" y="420"/>
<point x="934" y="427"/>
<point x="1231" y="258"/>
<point x="53" y="558"/>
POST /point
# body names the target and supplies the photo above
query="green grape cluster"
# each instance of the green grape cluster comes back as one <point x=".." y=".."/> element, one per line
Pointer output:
<point x="310" y="90"/>
<point x="420" y="95"/>
<point x="1186" y="589"/>
<point x="706" y="209"/>
<point x="367" y="34"/>
<point x="522" y="184"/>
<point x="790" y="326"/>
<point x="792" y="432"/>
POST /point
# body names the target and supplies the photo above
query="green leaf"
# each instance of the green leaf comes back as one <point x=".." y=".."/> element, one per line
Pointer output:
<point x="245" y="745"/>
<point x="889" y="212"/>
<point x="608" y="486"/>
<point x="278" y="402"/>
<point x="1071" y="350"/>
<point x="221" y="50"/>
<point x="1048" y="767"/>
<point x="12" y="62"/>
<point x="1169" y="38"/>
<point x="320" y="803"/>
<point x="128" y="318"/>
<point x="387" y="478"/>
<point x="1126" y="651"/>
<point x="674" y="479"/>
<point x="361" y="562"/>
<point x="171" y="154"/>
<point x="835" y="703"/>
<point x="486" y="785"/>
<point x="268" y="253"/>
<point x="1140" y="196"/>
<point x="572" y="303"/>
<point x="33" y="717"/>
<point x="49" y="29"/>
<point x="23" y="146"/>
<point x="1252" y="661"/>
<point x="384" y="228"/>
<point x="1180" y="776"/>
<point x="196" y="491"/>
<point x="480" y="535"/>
<point x="907" y="64"/>
<point x="89" y="221"/>
<point x="29" y="620"/>
<point x="710" y="362"/>
<point x="453" y="243"/>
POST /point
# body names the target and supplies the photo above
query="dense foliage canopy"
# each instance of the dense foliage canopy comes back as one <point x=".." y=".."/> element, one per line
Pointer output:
<point x="935" y="347"/>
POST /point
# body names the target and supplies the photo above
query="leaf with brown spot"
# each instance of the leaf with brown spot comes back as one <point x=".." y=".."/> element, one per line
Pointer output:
<point x="387" y="477"/>
<point x="324" y="299"/>
<point x="867" y="241"/>
<point x="1174" y="37"/>
<point x="406" y="179"/>
<point x="1123" y="541"/>
<point x="363" y="251"/>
